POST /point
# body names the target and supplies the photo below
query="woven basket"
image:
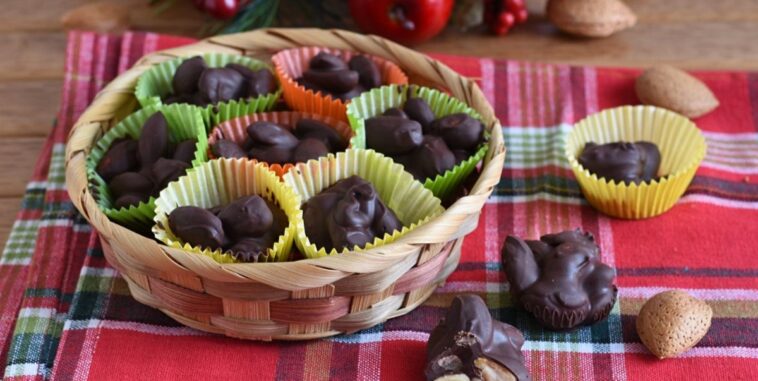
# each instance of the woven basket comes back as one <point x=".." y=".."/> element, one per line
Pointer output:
<point x="292" y="300"/>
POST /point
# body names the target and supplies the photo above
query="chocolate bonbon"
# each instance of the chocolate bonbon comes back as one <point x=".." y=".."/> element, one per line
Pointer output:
<point x="347" y="214"/>
<point x="468" y="344"/>
<point x="393" y="135"/>
<point x="331" y="75"/>
<point x="622" y="161"/>
<point x="560" y="279"/>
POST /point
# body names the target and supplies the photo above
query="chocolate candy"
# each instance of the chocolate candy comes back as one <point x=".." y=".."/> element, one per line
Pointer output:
<point x="418" y="110"/>
<point x="459" y="131"/>
<point x="246" y="216"/>
<point x="468" y="344"/>
<point x="185" y="151"/>
<point x="153" y="140"/>
<point x="430" y="159"/>
<point x="327" y="62"/>
<point x="393" y="135"/>
<point x="347" y="214"/>
<point x="560" y="279"/>
<point x="128" y="200"/>
<point x="249" y="249"/>
<point x="308" y="149"/>
<point x="197" y="226"/>
<point x="261" y="83"/>
<point x="220" y="84"/>
<point x="311" y="128"/>
<point x="120" y="157"/>
<point x="338" y="81"/>
<point x="227" y="148"/>
<point x="271" y="134"/>
<point x="622" y="161"/>
<point x="394" y="111"/>
<point x="187" y="75"/>
<point x="167" y="170"/>
<point x="133" y="183"/>
<point x="368" y="73"/>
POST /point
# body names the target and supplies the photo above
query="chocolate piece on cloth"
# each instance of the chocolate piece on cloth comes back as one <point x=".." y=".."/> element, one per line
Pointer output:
<point x="622" y="161"/>
<point x="560" y="279"/>
<point x="469" y="345"/>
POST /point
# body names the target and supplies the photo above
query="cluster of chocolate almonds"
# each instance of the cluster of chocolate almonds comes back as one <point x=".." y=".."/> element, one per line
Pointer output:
<point x="331" y="75"/>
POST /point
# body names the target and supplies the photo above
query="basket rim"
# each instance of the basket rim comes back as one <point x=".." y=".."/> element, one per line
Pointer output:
<point x="456" y="221"/>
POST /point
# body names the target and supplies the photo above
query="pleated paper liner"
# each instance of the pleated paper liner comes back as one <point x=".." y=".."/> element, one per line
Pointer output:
<point x="235" y="130"/>
<point x="376" y="101"/>
<point x="155" y="84"/>
<point x="219" y="182"/>
<point x="680" y="142"/>
<point x="291" y="63"/>
<point x="413" y="204"/>
<point x="184" y="122"/>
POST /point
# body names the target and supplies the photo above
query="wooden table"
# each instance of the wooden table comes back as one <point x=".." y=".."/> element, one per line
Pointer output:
<point x="703" y="34"/>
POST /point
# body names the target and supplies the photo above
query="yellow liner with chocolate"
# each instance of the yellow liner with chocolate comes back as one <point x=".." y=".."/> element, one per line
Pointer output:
<point x="236" y="130"/>
<point x="680" y="142"/>
<point x="413" y="204"/>
<point x="219" y="182"/>
<point x="291" y="63"/>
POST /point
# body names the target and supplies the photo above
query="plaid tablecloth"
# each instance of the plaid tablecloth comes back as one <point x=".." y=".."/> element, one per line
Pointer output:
<point x="66" y="314"/>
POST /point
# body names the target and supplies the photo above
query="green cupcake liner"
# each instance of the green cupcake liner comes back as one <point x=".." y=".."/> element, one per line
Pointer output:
<point x="155" y="84"/>
<point x="184" y="122"/>
<point x="378" y="100"/>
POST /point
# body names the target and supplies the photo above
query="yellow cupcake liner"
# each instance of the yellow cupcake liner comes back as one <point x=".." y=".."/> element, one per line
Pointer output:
<point x="413" y="204"/>
<point x="680" y="142"/>
<point x="219" y="182"/>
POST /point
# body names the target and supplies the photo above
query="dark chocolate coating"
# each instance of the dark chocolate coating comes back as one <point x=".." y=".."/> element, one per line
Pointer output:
<point x="249" y="249"/>
<point x="310" y="85"/>
<point x="327" y="62"/>
<point x="352" y="93"/>
<point x="430" y="159"/>
<point x="261" y="83"/>
<point x="469" y="341"/>
<point x="419" y="110"/>
<point x="622" y="161"/>
<point x="271" y="154"/>
<point x="271" y="134"/>
<point x="185" y="151"/>
<point x="187" y="76"/>
<point x="167" y="170"/>
<point x="394" y="111"/>
<point x="246" y="217"/>
<point x="227" y="148"/>
<point x="307" y="149"/>
<point x="120" y="157"/>
<point x="347" y="214"/>
<point x="153" y="140"/>
<point x="338" y="81"/>
<point x="368" y="72"/>
<point x="130" y="199"/>
<point x="197" y="226"/>
<point x="560" y="279"/>
<point x="131" y="183"/>
<point x="220" y="84"/>
<point x="242" y="69"/>
<point x="311" y="128"/>
<point x="460" y="131"/>
<point x="393" y="135"/>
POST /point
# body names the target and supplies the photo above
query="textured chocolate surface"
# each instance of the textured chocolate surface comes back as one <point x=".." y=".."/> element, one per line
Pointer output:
<point x="560" y="279"/>
<point x="349" y="213"/>
<point x="246" y="217"/>
<point x="393" y="135"/>
<point x="331" y="75"/>
<point x="622" y="161"/>
<point x="220" y="85"/>
<point x="468" y="341"/>
<point x="460" y="131"/>
<point x="430" y="159"/>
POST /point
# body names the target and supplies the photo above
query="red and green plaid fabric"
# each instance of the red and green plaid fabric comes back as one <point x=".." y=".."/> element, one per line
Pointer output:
<point x="66" y="314"/>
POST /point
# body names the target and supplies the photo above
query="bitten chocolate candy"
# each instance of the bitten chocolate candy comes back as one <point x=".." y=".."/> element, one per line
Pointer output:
<point x="338" y="81"/>
<point x="393" y="135"/>
<point x="459" y="131"/>
<point x="308" y="149"/>
<point x="560" y="279"/>
<point x="220" y="84"/>
<point x="120" y="157"/>
<point x="187" y="75"/>
<point x="227" y="148"/>
<point x="368" y="73"/>
<point x="197" y="226"/>
<point x="311" y="128"/>
<point x="418" y="110"/>
<point x="271" y="134"/>
<point x="469" y="345"/>
<point x="167" y="170"/>
<point x="153" y="140"/>
<point x="245" y="217"/>
<point x="622" y="161"/>
<point x="347" y="214"/>
<point x="185" y="150"/>
<point x="327" y="61"/>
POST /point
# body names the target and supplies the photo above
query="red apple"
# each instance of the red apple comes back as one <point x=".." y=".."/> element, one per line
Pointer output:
<point x="404" y="21"/>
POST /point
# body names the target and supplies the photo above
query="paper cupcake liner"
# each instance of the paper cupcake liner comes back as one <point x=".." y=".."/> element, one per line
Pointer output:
<point x="219" y="182"/>
<point x="155" y="84"/>
<point x="236" y="131"/>
<point x="291" y="63"/>
<point x="413" y="204"/>
<point x="184" y="122"/>
<point x="680" y="142"/>
<point x="376" y="101"/>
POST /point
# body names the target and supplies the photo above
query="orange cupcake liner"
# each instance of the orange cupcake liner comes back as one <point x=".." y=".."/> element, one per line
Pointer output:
<point x="291" y="63"/>
<point x="236" y="131"/>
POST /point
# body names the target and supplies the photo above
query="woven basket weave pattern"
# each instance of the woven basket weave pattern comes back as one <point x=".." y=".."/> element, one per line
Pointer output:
<point x="292" y="300"/>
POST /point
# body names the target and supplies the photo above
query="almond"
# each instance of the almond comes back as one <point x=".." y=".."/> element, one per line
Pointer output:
<point x="668" y="87"/>
<point x="672" y="322"/>
<point x="101" y="16"/>
<point x="590" y="18"/>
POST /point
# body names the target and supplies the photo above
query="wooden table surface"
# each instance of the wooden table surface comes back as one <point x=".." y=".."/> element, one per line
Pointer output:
<point x="700" y="34"/>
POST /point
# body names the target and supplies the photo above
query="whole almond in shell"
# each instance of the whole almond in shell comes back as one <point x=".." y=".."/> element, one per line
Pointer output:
<point x="673" y="322"/>
<point x="668" y="87"/>
<point x="590" y="18"/>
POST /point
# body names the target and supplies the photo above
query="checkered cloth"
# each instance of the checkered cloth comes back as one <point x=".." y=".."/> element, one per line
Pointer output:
<point x="66" y="314"/>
